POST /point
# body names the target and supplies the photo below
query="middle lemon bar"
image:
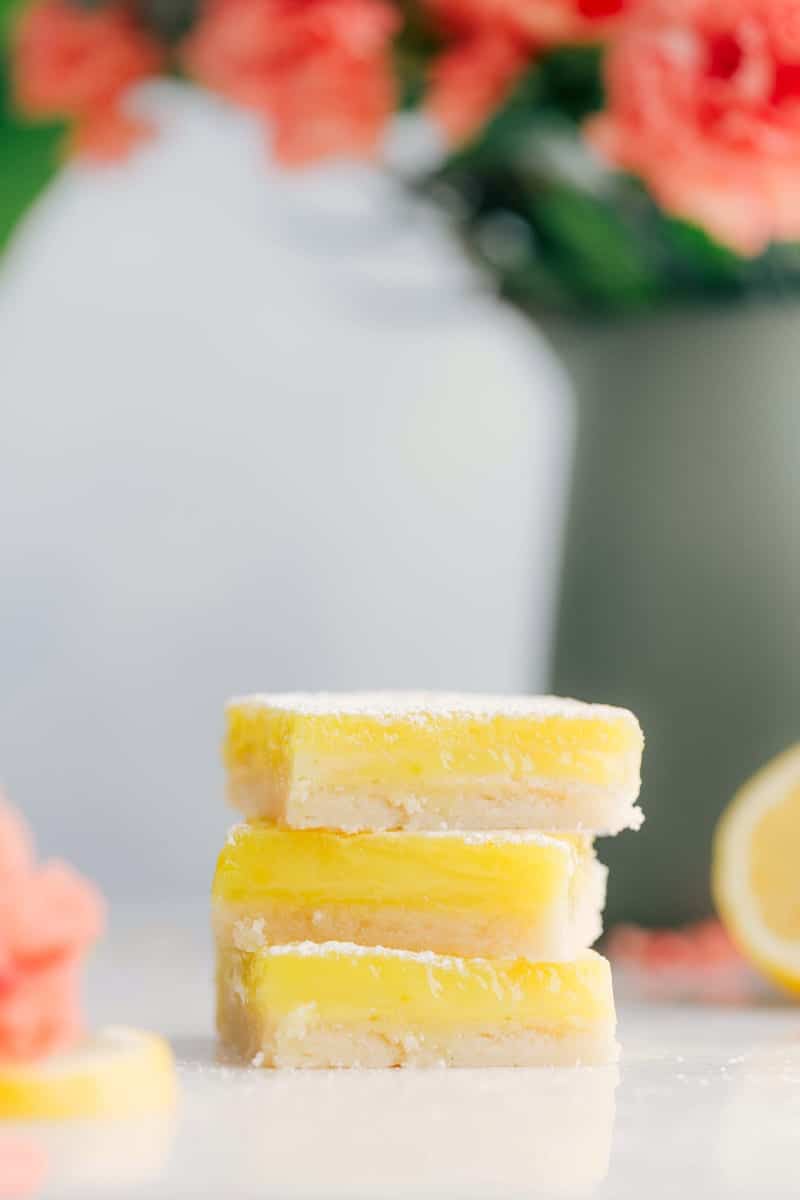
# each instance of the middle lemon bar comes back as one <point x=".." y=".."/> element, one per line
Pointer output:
<point x="497" y="894"/>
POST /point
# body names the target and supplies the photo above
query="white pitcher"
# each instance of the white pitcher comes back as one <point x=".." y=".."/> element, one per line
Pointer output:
<point x="259" y="431"/>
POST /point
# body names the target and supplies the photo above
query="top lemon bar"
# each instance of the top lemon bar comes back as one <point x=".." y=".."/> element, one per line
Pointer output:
<point x="377" y="761"/>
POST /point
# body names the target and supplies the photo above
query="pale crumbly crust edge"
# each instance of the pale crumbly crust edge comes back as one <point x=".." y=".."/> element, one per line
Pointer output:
<point x="495" y="804"/>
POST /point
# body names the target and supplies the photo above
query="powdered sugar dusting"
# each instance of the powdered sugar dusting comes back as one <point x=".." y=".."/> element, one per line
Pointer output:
<point x="351" y="950"/>
<point x="421" y="707"/>
<point x="427" y="958"/>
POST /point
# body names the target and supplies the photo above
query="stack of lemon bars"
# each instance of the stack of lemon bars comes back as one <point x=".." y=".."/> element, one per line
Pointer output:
<point x="415" y="883"/>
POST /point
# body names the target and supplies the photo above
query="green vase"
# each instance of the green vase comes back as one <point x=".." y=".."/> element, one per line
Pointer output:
<point x="681" y="587"/>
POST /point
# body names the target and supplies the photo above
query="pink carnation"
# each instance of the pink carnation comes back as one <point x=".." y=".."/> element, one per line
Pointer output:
<point x="471" y="79"/>
<point x="320" y="70"/>
<point x="702" y="944"/>
<point x="76" y="63"/>
<point x="49" y="918"/>
<point x="704" y="104"/>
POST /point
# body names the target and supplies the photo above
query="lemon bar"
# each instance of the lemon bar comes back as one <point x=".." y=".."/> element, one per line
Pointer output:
<point x="375" y="761"/>
<point x="505" y="894"/>
<point x="336" y="1004"/>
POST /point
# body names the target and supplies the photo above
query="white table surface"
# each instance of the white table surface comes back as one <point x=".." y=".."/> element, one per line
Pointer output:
<point x="706" y="1102"/>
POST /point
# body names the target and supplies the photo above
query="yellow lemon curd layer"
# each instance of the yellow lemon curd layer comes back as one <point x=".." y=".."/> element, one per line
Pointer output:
<point x="343" y="985"/>
<point x="517" y="873"/>
<point x="493" y="894"/>
<point x="423" y="740"/>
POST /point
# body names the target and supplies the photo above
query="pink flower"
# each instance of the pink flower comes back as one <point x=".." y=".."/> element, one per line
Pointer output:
<point x="320" y="70"/>
<point x="702" y="944"/>
<point x="49" y="914"/>
<point x="40" y="1009"/>
<point x="704" y="104"/>
<point x="697" y="962"/>
<point x="23" y="1167"/>
<point x="49" y="917"/>
<point x="76" y="63"/>
<point x="471" y="79"/>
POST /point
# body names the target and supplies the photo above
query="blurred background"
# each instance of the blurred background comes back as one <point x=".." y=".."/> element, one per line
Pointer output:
<point x="500" y="409"/>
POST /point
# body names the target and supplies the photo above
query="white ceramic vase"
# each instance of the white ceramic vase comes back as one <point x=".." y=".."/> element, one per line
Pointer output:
<point x="259" y="432"/>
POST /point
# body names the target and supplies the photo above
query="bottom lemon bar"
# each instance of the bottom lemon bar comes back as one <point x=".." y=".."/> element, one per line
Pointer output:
<point x="335" y="1004"/>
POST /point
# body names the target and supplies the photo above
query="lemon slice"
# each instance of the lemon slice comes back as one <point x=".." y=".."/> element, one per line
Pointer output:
<point x="119" y="1072"/>
<point x="755" y="874"/>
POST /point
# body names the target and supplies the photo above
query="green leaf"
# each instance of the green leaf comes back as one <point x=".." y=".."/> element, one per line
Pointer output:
<point x="169" y="20"/>
<point x="692" y="256"/>
<point x="29" y="158"/>
<point x="417" y="43"/>
<point x="598" y="250"/>
<point x="7" y="12"/>
<point x="29" y="154"/>
<point x="571" y="81"/>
